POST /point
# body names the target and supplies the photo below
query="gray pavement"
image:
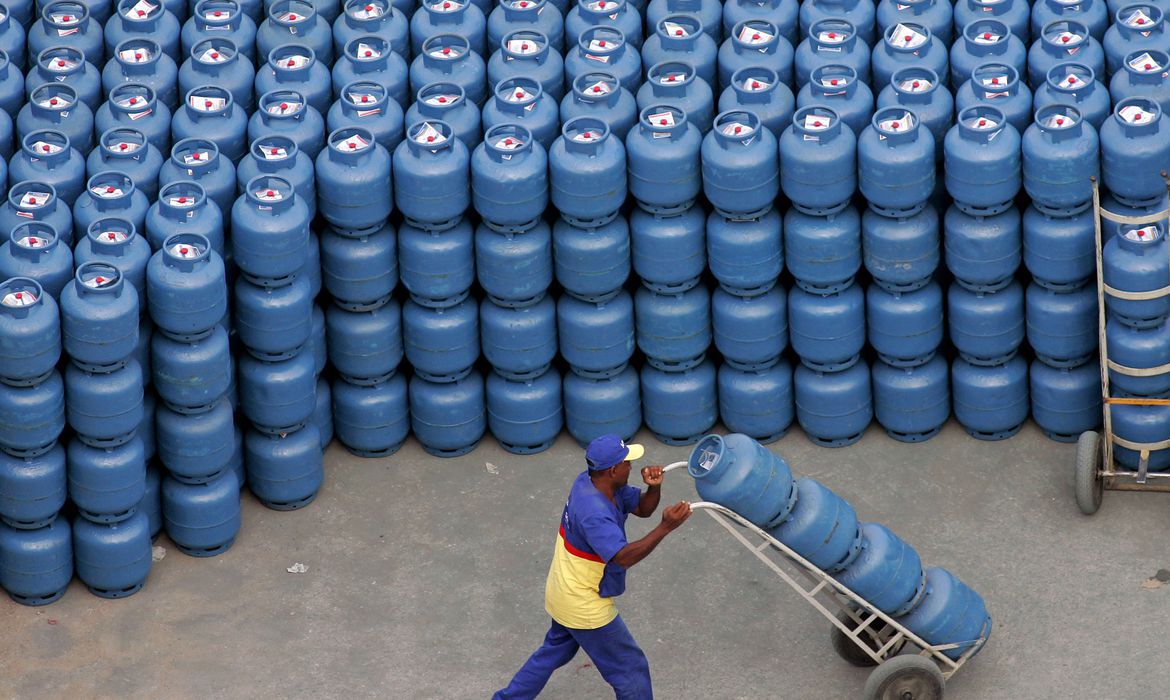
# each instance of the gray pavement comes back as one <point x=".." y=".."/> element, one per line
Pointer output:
<point x="425" y="580"/>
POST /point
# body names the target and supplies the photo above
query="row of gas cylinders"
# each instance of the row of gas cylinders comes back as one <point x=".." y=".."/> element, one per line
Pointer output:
<point x="822" y="528"/>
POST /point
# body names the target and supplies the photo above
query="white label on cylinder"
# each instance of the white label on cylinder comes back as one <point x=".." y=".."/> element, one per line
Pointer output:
<point x="1138" y="19"/>
<point x="603" y="45"/>
<point x="124" y="146"/>
<point x="753" y="36"/>
<point x="353" y="143"/>
<point x="835" y="82"/>
<point x="1145" y="64"/>
<point x="446" y="52"/>
<point x="139" y="55"/>
<point x="982" y="124"/>
<point x="367" y="12"/>
<point x="987" y="38"/>
<point x="99" y="281"/>
<point x="523" y="47"/>
<point x="1145" y="233"/>
<point x="55" y="102"/>
<point x="671" y="78"/>
<point x="603" y="6"/>
<point x="915" y="85"/>
<point x="832" y="37"/>
<point x="518" y="94"/>
<point x="508" y="143"/>
<point x="296" y="61"/>
<point x="897" y="125"/>
<point x="906" y="37"/>
<point x="18" y="299"/>
<point x="196" y="157"/>
<point x="1059" y="121"/>
<point x="113" y="236"/>
<point x="269" y="195"/>
<point x="736" y="129"/>
<point x="661" y="118"/>
<point x="65" y="18"/>
<point x="370" y="52"/>
<point x="675" y="29"/>
<point x="428" y="134"/>
<point x="358" y="99"/>
<point x="599" y="88"/>
<point x="994" y="81"/>
<point x="755" y="85"/>
<point x="206" y="103"/>
<point x="585" y="136"/>
<point x="817" y="122"/>
<point x="446" y="6"/>
<point x="185" y="250"/>
<point x="44" y="147"/>
<point x="181" y="201"/>
<point x="1133" y="114"/>
<point x="441" y="100"/>
<point x="140" y="9"/>
<point x="60" y="64"/>
<point x="283" y="108"/>
<point x="1071" y="80"/>
<point x="215" y="16"/>
<point x="213" y="55"/>
<point x="33" y="241"/>
<point x="273" y="152"/>
<point x="106" y="192"/>
<point x="1067" y="39"/>
<point x="34" y="199"/>
<point x="290" y="17"/>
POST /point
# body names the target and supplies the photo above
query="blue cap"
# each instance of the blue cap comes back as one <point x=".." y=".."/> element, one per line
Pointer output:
<point x="609" y="451"/>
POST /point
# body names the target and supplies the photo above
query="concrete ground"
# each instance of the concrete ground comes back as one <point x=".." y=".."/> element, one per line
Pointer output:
<point x="425" y="579"/>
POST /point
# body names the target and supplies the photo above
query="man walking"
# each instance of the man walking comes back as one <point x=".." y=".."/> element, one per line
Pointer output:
<point x="589" y="569"/>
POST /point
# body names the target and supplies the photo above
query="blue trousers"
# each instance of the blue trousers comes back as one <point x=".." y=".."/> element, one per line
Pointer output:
<point x="611" y="648"/>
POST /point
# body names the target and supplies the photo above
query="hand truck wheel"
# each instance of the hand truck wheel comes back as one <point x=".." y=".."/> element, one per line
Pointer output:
<point x="905" y="677"/>
<point x="1088" y="484"/>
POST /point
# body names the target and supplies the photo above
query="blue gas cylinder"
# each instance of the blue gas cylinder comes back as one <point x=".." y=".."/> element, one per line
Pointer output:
<point x="353" y="181"/>
<point x="1066" y="401"/>
<point x="833" y="408"/>
<point x="823" y="253"/>
<point x="273" y="322"/>
<point x="437" y="268"/>
<point x="921" y="91"/>
<point x="836" y="86"/>
<point x="111" y="197"/>
<point x="141" y="60"/>
<point x="432" y="176"/>
<point x="442" y="344"/>
<point x="519" y="342"/>
<point x="446" y="102"/>
<point x="599" y="94"/>
<point x="783" y="13"/>
<point x="525" y="416"/>
<point x="740" y="166"/>
<point x="833" y="40"/>
<point x="985" y="41"/>
<point x="673" y="330"/>
<point x="66" y="23"/>
<point x="663" y="160"/>
<point x="950" y="613"/>
<point x="1057" y="41"/>
<point x="99" y="316"/>
<point x="368" y="105"/>
<point x="818" y="154"/>
<point x="296" y="67"/>
<point x="296" y="21"/>
<point x="373" y="59"/>
<point x="537" y="15"/>
<point x="285" y="471"/>
<point x="195" y="447"/>
<point x="674" y="84"/>
<point x="746" y="257"/>
<point x="758" y="90"/>
<point x="210" y="112"/>
<point x="199" y="160"/>
<point x="202" y="519"/>
<point x="982" y="252"/>
<point x="1075" y="84"/>
<point x="901" y="254"/>
<point x="35" y="201"/>
<point x="371" y="421"/>
<point x="30" y="332"/>
<point x="104" y="409"/>
<point x="448" y="419"/>
<point x="135" y="104"/>
<point x="609" y="47"/>
<point x="509" y="179"/>
<point x="381" y="18"/>
<point x="1135" y="143"/>
<point x="36" y="565"/>
<point x="1140" y="424"/>
<point x="216" y="61"/>
<point x="190" y="376"/>
<point x="1135" y="27"/>
<point x="895" y="159"/>
<point x="13" y="41"/>
<point x="184" y="207"/>
<point x="318" y="343"/>
<point x="1137" y="348"/>
<point x="755" y="43"/>
<point x="35" y="251"/>
<point x="907" y="44"/>
<point x="222" y="20"/>
<point x="21" y="12"/>
<point x="679" y="407"/>
<point x="128" y="151"/>
<point x="286" y="112"/>
<point x="526" y="53"/>
<point x="904" y="328"/>
<point x="587" y="172"/>
<point x="983" y="163"/>
<point x="597" y="406"/>
<point x="278" y="397"/>
<point x="912" y="403"/>
<point x="822" y="527"/>
<point x="359" y="270"/>
<point x="616" y="14"/>
<point x="514" y="269"/>
<point x="750" y="332"/>
<point x="520" y="101"/>
<point x="887" y="572"/>
<point x="986" y="327"/>
<point x="32" y="489"/>
<point x="1060" y="160"/>
<point x="860" y="14"/>
<point x="279" y="156"/>
<point x="446" y="58"/>
<point x="113" y="560"/>
<point x="1094" y="14"/>
<point x="1136" y="260"/>
<point x="365" y="346"/>
<point x="48" y="156"/>
<point x="668" y="252"/>
<point x="932" y="14"/>
<point x="1000" y="85"/>
<point x="1060" y="253"/>
<point x="591" y="263"/>
<point x="827" y="331"/>
<point x="57" y="107"/>
<point x="1148" y="208"/>
<point x="11" y="88"/>
<point x="106" y="483"/>
<point x="757" y="402"/>
<point x="186" y="287"/>
<point x="270" y="231"/>
<point x="596" y="338"/>
<point x="131" y="21"/>
<point x="151" y="504"/>
<point x="1142" y="75"/>
<point x="739" y="473"/>
<point x="709" y="13"/>
<point x="465" y="19"/>
<point x="991" y="402"/>
<point x="1062" y="326"/>
<point x="32" y="417"/>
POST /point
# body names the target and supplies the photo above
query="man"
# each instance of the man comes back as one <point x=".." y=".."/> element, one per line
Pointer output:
<point x="589" y="569"/>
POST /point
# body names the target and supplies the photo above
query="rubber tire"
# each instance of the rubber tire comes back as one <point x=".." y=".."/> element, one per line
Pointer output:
<point x="847" y="649"/>
<point x="1089" y="487"/>
<point x="905" y="677"/>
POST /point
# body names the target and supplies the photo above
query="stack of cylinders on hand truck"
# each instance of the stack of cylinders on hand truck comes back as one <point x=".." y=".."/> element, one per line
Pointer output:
<point x="104" y="407"/>
<point x="1135" y="143"/>
<point x="274" y="322"/>
<point x="436" y="257"/>
<point x="197" y="440"/>
<point x="36" y="546"/>
<point x="985" y="304"/>
<point x="822" y="249"/>
<point x="591" y="258"/>
<point x="514" y="266"/>
<point x="823" y="528"/>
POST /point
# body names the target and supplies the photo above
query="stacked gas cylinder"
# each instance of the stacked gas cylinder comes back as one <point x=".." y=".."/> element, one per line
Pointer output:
<point x="823" y="528"/>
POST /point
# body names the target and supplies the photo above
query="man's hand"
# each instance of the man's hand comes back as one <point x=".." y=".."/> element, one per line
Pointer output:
<point x="652" y="476"/>
<point x="676" y="515"/>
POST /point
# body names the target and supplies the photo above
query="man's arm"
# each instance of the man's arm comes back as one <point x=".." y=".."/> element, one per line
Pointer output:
<point x="638" y="550"/>
<point x="648" y="503"/>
